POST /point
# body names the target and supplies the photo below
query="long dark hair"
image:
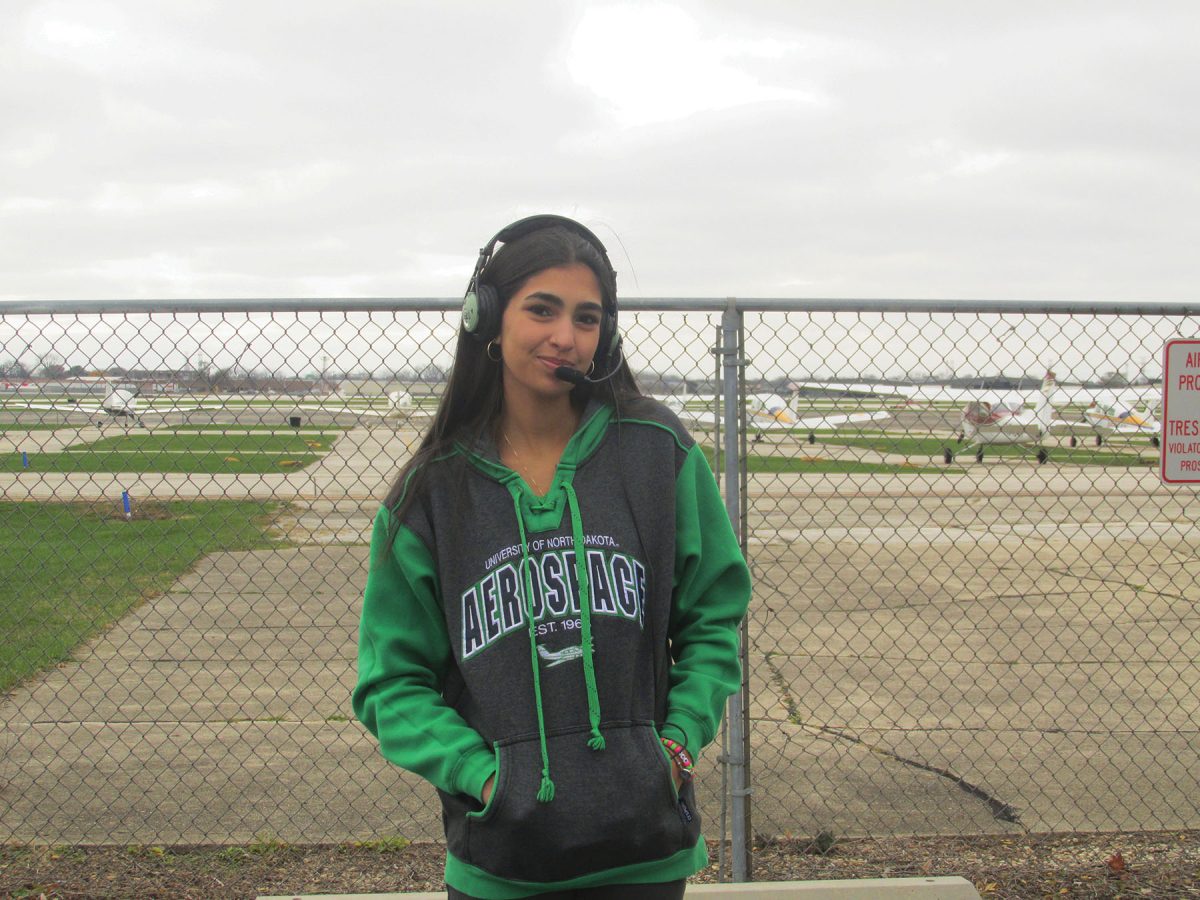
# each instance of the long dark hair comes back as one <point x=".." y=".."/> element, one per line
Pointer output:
<point x="474" y="395"/>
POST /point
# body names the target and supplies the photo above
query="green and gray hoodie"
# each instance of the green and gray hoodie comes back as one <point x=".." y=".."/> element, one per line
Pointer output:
<point x="550" y="641"/>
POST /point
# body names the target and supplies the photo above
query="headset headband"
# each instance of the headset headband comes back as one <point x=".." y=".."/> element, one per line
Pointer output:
<point x="528" y="225"/>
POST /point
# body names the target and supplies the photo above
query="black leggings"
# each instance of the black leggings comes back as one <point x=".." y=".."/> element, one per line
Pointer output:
<point x="668" y="890"/>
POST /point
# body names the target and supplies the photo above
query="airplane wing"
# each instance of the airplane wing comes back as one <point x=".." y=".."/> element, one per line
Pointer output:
<point x="88" y="408"/>
<point x="391" y="412"/>
<point x="1071" y="428"/>
<point x="699" y="414"/>
<point x="165" y="410"/>
<point x="1125" y="421"/>
<point x="1146" y="428"/>
<point x="822" y="422"/>
<point x="856" y="389"/>
<point x="400" y="413"/>
<point x="333" y="410"/>
<point x="58" y="407"/>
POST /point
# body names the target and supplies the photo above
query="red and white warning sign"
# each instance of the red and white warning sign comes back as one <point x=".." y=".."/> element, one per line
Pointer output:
<point x="1181" y="412"/>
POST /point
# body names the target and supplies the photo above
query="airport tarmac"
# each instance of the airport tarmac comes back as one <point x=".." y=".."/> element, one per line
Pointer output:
<point x="1011" y="648"/>
<point x="361" y="464"/>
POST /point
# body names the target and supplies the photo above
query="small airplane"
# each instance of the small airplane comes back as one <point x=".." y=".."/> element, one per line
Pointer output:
<point x="1006" y="420"/>
<point x="1125" y="412"/>
<point x="1123" y="419"/>
<point x="119" y="403"/>
<point x="767" y="413"/>
<point x="400" y="405"/>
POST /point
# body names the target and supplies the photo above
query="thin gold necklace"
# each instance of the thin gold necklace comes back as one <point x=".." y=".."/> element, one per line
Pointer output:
<point x="521" y="464"/>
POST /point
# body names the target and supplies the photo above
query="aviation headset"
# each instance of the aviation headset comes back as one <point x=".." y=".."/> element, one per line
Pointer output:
<point x="482" y="308"/>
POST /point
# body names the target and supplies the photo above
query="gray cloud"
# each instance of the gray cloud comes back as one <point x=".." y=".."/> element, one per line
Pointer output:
<point x="869" y="149"/>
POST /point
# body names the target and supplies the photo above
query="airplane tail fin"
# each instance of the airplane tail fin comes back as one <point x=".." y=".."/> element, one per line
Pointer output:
<point x="1043" y="413"/>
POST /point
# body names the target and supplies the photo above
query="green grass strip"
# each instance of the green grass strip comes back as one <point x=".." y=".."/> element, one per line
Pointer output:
<point x="205" y="442"/>
<point x="71" y="569"/>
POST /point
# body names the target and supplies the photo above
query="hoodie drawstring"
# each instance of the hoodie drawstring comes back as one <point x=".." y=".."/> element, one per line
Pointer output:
<point x="596" y="742"/>
<point x="546" y="790"/>
<point x="596" y="739"/>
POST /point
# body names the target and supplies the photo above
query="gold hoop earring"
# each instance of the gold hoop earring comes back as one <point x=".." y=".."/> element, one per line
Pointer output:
<point x="591" y="368"/>
<point x="492" y="343"/>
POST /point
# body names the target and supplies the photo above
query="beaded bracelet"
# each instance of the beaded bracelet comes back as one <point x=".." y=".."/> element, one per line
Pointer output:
<point x="682" y="758"/>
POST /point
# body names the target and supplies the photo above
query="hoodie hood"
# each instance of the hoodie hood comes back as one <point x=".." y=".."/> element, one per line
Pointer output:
<point x="543" y="513"/>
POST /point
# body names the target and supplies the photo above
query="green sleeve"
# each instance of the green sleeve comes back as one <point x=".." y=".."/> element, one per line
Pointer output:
<point x="403" y="656"/>
<point x="712" y="591"/>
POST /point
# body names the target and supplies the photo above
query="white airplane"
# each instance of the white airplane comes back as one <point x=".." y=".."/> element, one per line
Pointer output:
<point x="1108" y="419"/>
<point x="120" y="403"/>
<point x="1006" y="420"/>
<point x="1115" y="414"/>
<point x="400" y="405"/>
<point x="766" y="413"/>
<point x="1123" y="412"/>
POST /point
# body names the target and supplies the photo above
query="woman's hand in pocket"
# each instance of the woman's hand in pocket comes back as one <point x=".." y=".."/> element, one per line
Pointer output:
<point x="487" y="789"/>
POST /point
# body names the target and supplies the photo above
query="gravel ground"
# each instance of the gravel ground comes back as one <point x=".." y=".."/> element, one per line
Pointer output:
<point x="1126" y="864"/>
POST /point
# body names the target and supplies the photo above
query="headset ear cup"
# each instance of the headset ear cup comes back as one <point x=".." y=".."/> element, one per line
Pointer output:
<point x="470" y="313"/>
<point x="489" y="312"/>
<point x="481" y="313"/>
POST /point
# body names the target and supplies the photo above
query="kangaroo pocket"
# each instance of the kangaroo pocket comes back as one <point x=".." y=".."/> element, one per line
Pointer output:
<point x="611" y="807"/>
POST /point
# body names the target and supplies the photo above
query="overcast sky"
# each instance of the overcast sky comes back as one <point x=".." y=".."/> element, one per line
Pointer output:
<point x="161" y="148"/>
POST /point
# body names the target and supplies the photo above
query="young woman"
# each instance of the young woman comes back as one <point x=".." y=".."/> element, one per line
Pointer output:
<point x="549" y="630"/>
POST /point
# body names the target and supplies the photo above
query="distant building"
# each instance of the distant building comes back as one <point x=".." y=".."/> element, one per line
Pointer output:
<point x="84" y="386"/>
<point x="370" y="387"/>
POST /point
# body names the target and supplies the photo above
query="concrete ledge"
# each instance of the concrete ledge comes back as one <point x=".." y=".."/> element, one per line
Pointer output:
<point x="941" y="888"/>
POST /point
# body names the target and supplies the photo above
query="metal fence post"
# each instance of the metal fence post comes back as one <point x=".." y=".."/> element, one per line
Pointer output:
<point x="737" y="758"/>
<point x="743" y="459"/>
<point x="718" y="419"/>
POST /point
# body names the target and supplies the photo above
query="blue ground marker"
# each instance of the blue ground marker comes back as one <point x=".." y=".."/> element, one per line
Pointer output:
<point x="125" y="503"/>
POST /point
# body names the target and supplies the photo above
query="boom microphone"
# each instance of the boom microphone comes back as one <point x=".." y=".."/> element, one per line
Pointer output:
<point x="566" y="373"/>
<point x="577" y="378"/>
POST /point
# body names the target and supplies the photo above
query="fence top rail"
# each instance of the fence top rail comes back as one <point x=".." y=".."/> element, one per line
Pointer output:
<point x="632" y="304"/>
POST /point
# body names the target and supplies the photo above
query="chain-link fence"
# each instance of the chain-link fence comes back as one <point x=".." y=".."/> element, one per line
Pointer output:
<point x="975" y="604"/>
